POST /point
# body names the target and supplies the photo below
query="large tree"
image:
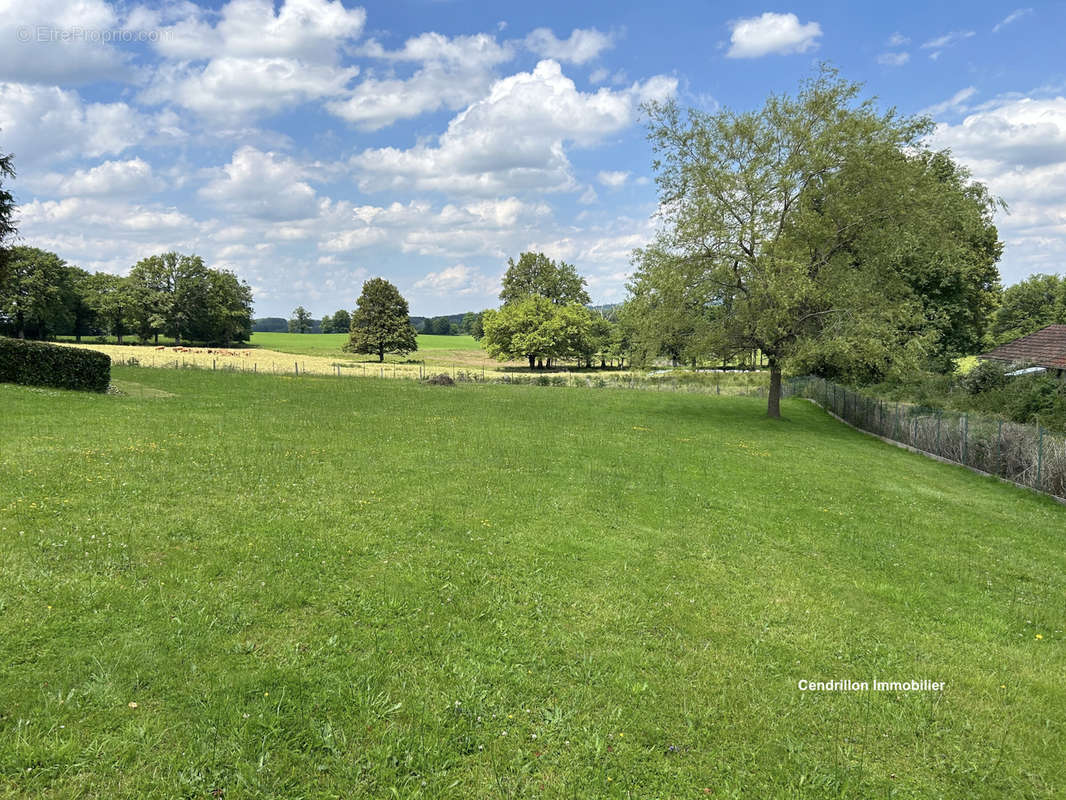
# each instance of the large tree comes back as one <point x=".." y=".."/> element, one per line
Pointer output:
<point x="788" y="218"/>
<point x="301" y="320"/>
<point x="536" y="274"/>
<point x="111" y="299"/>
<point x="538" y="330"/>
<point x="170" y="295"/>
<point x="381" y="322"/>
<point x="34" y="290"/>
<point x="342" y="321"/>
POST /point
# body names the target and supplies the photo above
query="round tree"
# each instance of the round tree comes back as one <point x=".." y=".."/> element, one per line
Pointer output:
<point x="381" y="322"/>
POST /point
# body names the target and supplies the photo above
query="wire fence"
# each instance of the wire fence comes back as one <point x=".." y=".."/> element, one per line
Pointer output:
<point x="1027" y="455"/>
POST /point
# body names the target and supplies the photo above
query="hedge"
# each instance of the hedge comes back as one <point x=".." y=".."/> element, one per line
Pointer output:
<point x="40" y="364"/>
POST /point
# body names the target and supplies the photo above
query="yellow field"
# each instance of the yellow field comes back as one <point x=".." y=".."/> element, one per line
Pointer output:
<point x="248" y="360"/>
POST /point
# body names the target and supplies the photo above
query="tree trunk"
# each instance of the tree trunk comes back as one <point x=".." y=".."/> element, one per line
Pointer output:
<point x="157" y="337"/>
<point x="540" y="363"/>
<point x="532" y="362"/>
<point x="381" y="354"/>
<point x="773" y="402"/>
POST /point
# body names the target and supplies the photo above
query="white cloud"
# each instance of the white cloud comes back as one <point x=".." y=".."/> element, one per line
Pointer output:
<point x="898" y="40"/>
<point x="893" y="59"/>
<point x="455" y="72"/>
<point x="109" y="179"/>
<point x="612" y="179"/>
<point x="956" y="103"/>
<point x="582" y="46"/>
<point x="41" y="123"/>
<point x="513" y="139"/>
<point x="1013" y="16"/>
<point x="309" y="30"/>
<point x="1017" y="146"/>
<point x="261" y="185"/>
<point x="599" y="75"/>
<point x="258" y="61"/>
<point x="230" y="89"/>
<point x="772" y="33"/>
<point x="458" y="280"/>
<point x="41" y="43"/>
<point x="947" y="40"/>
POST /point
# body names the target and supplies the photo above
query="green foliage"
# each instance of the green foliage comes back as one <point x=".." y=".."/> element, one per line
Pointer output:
<point x="536" y="274"/>
<point x="35" y="292"/>
<point x="1028" y="306"/>
<point x="438" y="326"/>
<point x="984" y="377"/>
<point x="301" y="320"/>
<point x="7" y="211"/>
<point x="537" y="330"/>
<point x="112" y="300"/>
<point x="812" y="230"/>
<point x="40" y="364"/>
<point x="381" y="322"/>
<point x="342" y="321"/>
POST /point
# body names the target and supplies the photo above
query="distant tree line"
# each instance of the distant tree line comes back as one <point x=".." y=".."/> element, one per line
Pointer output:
<point x="467" y="324"/>
<point x="174" y="295"/>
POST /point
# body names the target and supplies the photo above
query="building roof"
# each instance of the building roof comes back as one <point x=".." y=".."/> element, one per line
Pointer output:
<point x="1045" y="348"/>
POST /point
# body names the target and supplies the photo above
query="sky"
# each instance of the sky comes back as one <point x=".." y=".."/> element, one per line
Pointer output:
<point x="309" y="145"/>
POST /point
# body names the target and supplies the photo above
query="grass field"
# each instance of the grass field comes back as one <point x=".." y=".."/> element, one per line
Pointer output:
<point x="237" y="585"/>
<point x="324" y="343"/>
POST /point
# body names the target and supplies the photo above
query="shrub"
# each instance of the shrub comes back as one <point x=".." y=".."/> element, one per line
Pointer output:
<point x="442" y="379"/>
<point x="40" y="364"/>
<point x="984" y="376"/>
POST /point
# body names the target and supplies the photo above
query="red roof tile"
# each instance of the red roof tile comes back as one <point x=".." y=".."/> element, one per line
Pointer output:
<point x="1045" y="348"/>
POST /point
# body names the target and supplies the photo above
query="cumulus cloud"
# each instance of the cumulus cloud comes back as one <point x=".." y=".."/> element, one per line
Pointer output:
<point x="111" y="178"/>
<point x="582" y="46"/>
<point x="40" y="123"/>
<point x="41" y="45"/>
<point x="310" y="30"/>
<point x="255" y="61"/>
<point x="772" y="33"/>
<point x="612" y="179"/>
<point x="512" y="139"/>
<point x="263" y="185"/>
<point x="458" y="280"/>
<point x="454" y="73"/>
<point x="1017" y="146"/>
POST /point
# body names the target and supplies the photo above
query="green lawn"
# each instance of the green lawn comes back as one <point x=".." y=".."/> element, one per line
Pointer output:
<point x="317" y="344"/>
<point x="318" y="587"/>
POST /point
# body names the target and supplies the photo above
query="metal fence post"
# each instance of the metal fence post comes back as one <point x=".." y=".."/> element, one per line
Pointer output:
<point x="999" y="446"/>
<point x="965" y="435"/>
<point x="1040" y="456"/>
<point x="939" y="414"/>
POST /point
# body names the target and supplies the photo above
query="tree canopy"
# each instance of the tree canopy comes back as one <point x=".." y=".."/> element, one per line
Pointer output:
<point x="536" y="274"/>
<point x="811" y="230"/>
<point x="301" y="320"/>
<point x="380" y="323"/>
<point x="1028" y="306"/>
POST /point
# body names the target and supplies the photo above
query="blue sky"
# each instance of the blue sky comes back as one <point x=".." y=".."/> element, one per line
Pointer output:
<point x="311" y="144"/>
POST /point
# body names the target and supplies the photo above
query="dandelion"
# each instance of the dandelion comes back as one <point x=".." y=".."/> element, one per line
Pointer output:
<point x="131" y="704"/>
<point x="1038" y="636"/>
<point x="503" y="733"/>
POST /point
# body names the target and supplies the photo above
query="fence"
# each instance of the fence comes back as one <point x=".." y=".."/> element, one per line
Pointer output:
<point x="1027" y="455"/>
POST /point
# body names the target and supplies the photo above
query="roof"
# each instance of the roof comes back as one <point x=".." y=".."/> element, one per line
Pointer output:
<point x="1045" y="348"/>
